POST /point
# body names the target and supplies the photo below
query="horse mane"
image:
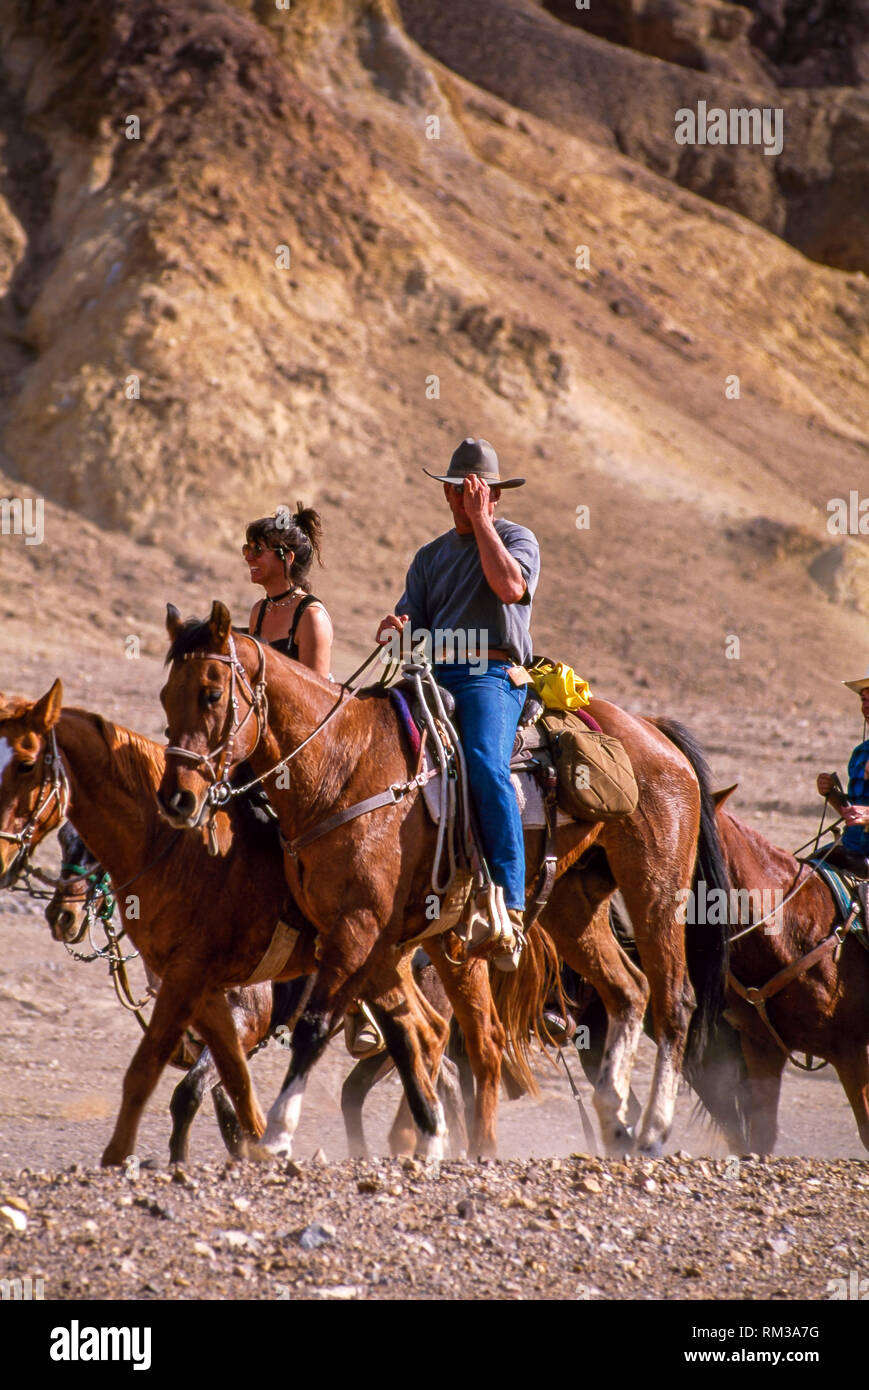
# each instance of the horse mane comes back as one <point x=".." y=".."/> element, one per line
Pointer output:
<point x="135" y="758"/>
<point x="756" y="839"/>
<point x="193" y="634"/>
<point x="14" y="706"/>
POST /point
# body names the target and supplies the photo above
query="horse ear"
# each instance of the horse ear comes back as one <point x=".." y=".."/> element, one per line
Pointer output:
<point x="46" y="712"/>
<point x="721" y="796"/>
<point x="220" y="622"/>
<point x="173" y="621"/>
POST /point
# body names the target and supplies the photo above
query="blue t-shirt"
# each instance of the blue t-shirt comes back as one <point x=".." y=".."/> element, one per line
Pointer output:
<point x="446" y="592"/>
<point x="856" y="837"/>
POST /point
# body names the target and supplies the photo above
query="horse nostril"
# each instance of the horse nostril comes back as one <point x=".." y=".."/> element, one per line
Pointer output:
<point x="65" y="920"/>
<point x="183" y="803"/>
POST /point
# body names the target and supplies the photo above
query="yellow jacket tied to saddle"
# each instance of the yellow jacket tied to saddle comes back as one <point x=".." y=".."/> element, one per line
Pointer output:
<point x="558" y="685"/>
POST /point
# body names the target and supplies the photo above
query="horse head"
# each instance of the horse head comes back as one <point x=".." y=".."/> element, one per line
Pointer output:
<point x="208" y="698"/>
<point x="33" y="786"/>
<point x="80" y="871"/>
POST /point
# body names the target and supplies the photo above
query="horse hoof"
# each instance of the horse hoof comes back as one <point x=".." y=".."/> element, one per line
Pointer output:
<point x="653" y="1149"/>
<point x="621" y="1141"/>
<point x="261" y="1153"/>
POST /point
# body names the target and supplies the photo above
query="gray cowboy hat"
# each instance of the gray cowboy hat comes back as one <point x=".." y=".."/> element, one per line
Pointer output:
<point x="475" y="456"/>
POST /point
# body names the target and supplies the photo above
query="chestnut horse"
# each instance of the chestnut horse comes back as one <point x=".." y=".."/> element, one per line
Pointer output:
<point x="822" y="1011"/>
<point x="202" y="924"/>
<point x="365" y="882"/>
<point x="256" y="1009"/>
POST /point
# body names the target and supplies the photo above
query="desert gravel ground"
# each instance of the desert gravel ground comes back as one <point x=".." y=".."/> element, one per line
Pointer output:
<point x="573" y="1228"/>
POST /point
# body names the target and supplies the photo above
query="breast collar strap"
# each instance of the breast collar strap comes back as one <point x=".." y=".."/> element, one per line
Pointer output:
<point x="220" y="791"/>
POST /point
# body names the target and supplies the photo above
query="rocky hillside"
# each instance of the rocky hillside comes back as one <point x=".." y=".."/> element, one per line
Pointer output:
<point x="249" y="255"/>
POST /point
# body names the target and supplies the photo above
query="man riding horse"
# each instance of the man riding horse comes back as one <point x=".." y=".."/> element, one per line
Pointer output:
<point x="475" y="583"/>
<point x="852" y="852"/>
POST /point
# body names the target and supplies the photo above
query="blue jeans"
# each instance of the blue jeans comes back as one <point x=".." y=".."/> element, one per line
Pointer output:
<point x="488" y="706"/>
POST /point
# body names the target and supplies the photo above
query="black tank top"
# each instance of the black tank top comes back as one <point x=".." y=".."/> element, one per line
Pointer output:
<point x="288" y="645"/>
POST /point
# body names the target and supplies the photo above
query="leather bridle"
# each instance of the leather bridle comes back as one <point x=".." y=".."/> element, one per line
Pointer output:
<point x="54" y="787"/>
<point x="220" y="790"/>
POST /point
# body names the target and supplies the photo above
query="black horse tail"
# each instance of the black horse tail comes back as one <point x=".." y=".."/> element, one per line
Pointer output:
<point x="706" y="943"/>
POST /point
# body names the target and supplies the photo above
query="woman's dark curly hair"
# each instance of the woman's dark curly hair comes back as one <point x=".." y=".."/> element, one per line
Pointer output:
<point x="299" y="532"/>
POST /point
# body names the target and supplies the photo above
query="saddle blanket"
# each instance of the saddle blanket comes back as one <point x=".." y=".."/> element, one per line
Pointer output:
<point x="843" y="887"/>
<point x="528" y="795"/>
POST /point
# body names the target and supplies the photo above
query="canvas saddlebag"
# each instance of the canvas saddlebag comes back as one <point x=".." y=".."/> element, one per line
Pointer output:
<point x="595" y="777"/>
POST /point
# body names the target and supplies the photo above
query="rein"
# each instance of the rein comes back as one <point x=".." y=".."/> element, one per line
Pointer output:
<point x="758" y="995"/>
<point x="813" y="873"/>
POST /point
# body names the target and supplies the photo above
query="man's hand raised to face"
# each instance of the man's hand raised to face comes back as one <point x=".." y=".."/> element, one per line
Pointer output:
<point x="476" y="499"/>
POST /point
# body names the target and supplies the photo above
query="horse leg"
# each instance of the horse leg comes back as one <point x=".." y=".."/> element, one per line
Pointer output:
<point x="853" y="1072"/>
<point x="402" y="1135"/>
<point x="172" y="1012"/>
<point x="765" y="1064"/>
<point x="362" y="1078"/>
<point x="650" y="884"/>
<point x="452" y="1099"/>
<point x="185" y="1103"/>
<point x="416" y="1050"/>
<point x="468" y="990"/>
<point x="591" y="1057"/>
<point x="577" y="919"/>
<point x="230" y="1130"/>
<point x="345" y="972"/>
<point x="214" y="1020"/>
<point x="457" y="1053"/>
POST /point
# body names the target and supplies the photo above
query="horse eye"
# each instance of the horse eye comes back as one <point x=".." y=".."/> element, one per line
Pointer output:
<point x="212" y="697"/>
<point x="25" y="767"/>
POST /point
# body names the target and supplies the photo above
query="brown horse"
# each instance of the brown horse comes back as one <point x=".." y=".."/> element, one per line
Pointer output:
<point x="823" y="1010"/>
<point x="256" y="1009"/>
<point x="202" y="924"/>
<point x="364" y="879"/>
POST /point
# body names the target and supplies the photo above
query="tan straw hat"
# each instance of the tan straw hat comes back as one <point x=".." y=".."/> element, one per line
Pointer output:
<point x="857" y="685"/>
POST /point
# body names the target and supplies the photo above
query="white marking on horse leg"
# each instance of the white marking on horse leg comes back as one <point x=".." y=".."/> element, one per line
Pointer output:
<point x="658" y="1119"/>
<point x="5" y="754"/>
<point x="432" y="1145"/>
<point x="613" y="1087"/>
<point x="283" y="1120"/>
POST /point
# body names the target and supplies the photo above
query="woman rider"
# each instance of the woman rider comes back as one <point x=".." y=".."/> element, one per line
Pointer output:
<point x="280" y="551"/>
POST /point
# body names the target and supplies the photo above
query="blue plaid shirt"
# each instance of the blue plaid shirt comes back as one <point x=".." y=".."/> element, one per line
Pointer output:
<point x="856" y="837"/>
